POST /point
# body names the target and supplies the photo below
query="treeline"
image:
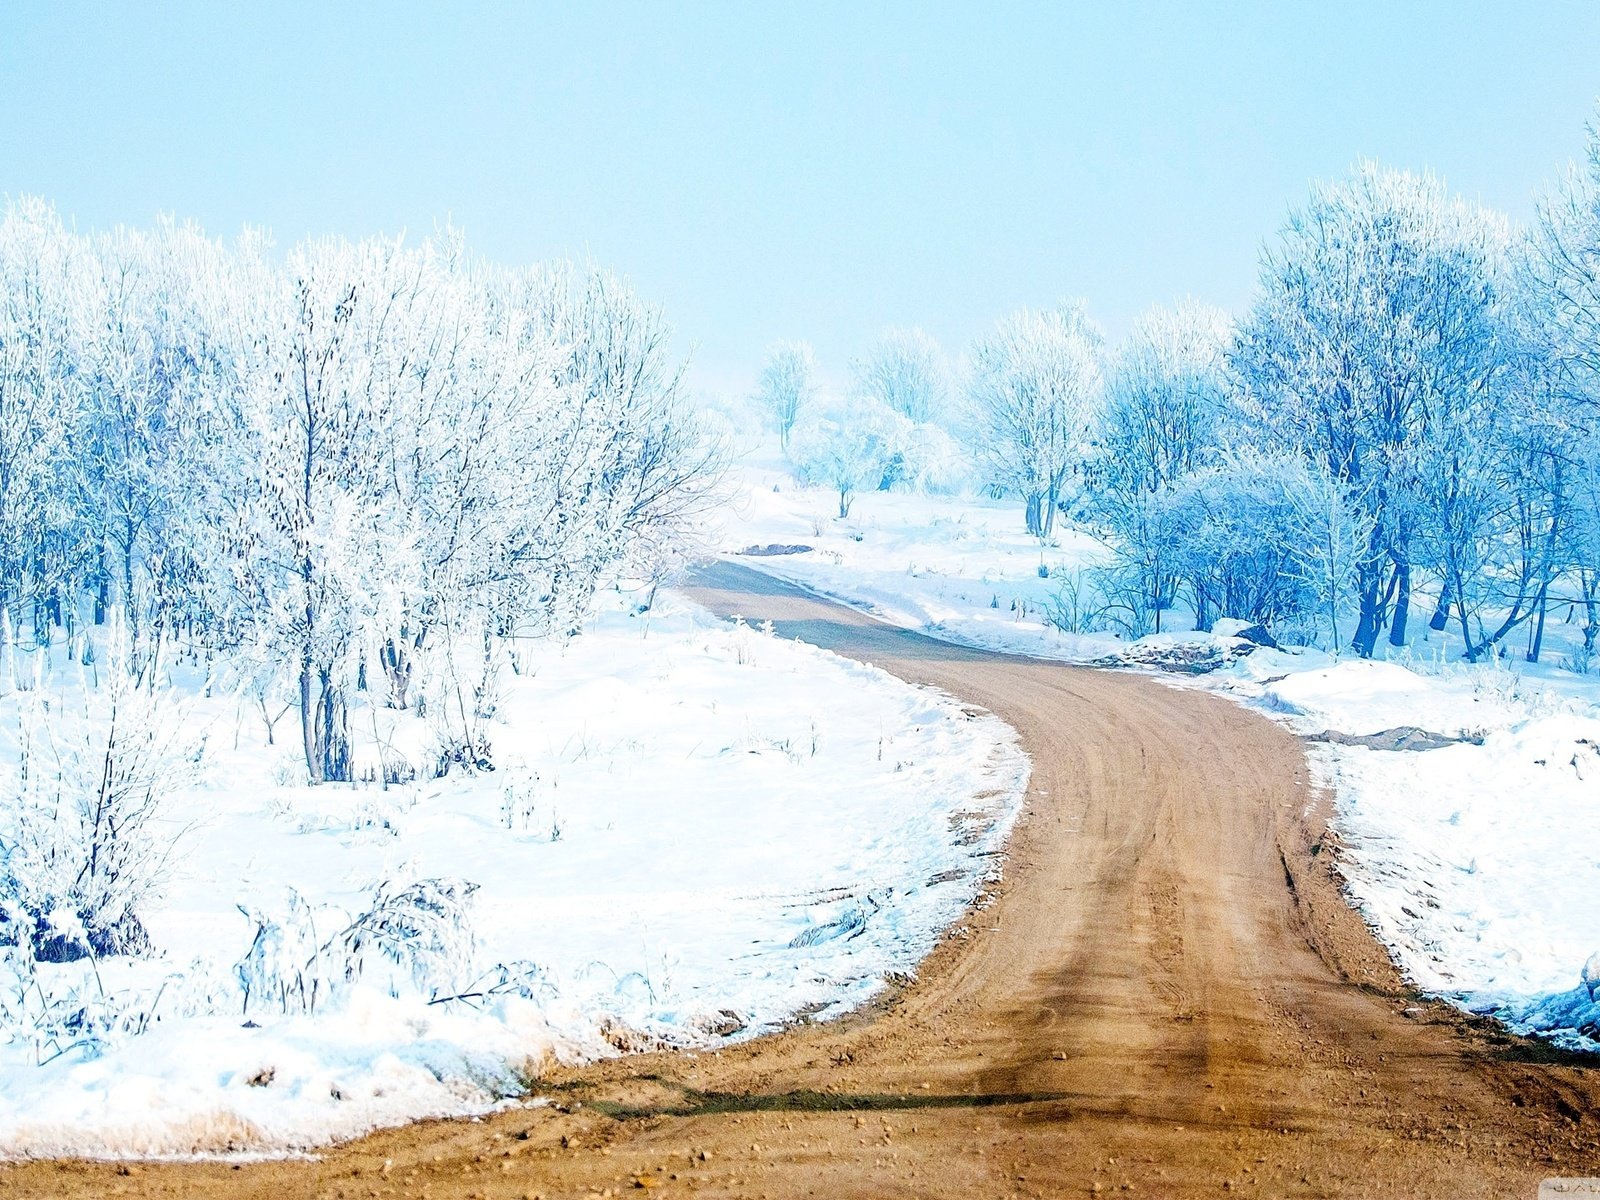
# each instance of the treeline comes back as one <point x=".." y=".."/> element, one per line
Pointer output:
<point x="353" y="466"/>
<point x="1404" y="417"/>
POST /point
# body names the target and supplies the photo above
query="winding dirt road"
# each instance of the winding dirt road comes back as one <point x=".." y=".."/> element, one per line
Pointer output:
<point x="1166" y="995"/>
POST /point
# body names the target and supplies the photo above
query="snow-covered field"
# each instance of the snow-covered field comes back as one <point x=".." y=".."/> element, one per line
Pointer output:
<point x="692" y="831"/>
<point x="960" y="568"/>
<point x="1477" y="864"/>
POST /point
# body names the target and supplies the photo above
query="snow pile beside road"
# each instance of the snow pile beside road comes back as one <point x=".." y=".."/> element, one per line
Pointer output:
<point x="692" y="832"/>
<point x="1477" y="864"/>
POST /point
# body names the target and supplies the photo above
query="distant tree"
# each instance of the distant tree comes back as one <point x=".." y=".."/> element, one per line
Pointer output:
<point x="927" y="458"/>
<point x="1034" y="384"/>
<point x="849" y="449"/>
<point x="906" y="372"/>
<point x="1164" y="404"/>
<point x="788" y="381"/>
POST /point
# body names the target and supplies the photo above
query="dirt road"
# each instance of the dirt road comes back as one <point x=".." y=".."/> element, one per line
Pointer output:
<point x="1166" y="995"/>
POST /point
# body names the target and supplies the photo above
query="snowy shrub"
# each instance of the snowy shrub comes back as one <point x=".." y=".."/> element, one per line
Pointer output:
<point x="1146" y="533"/>
<point x="925" y="458"/>
<point x="1129" y="602"/>
<point x="1077" y="604"/>
<point x="417" y="937"/>
<point x="1240" y="553"/>
<point x="82" y="842"/>
<point x="521" y="979"/>
<point x="519" y="803"/>
<point x="461" y="710"/>
<point x="1581" y="660"/>
<point x="90" y="1007"/>
<point x="846" y="448"/>
<point x="53" y="1013"/>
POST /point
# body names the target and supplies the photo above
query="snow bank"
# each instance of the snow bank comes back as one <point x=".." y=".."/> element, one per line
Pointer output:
<point x="692" y="832"/>
<point x="1478" y="865"/>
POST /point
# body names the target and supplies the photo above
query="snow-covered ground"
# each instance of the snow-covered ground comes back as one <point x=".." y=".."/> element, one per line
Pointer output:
<point x="956" y="567"/>
<point x="692" y="831"/>
<point x="1477" y="864"/>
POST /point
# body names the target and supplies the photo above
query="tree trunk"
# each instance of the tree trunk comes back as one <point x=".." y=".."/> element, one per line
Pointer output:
<point x="1466" y="634"/>
<point x="1402" y="604"/>
<point x="1538" y="625"/>
<point x="1034" y="516"/>
<point x="333" y="732"/>
<point x="308" y="718"/>
<point x="1369" y="621"/>
<point x="324" y="726"/>
<point x="130" y="608"/>
<point x="1441" y="613"/>
<point x="1591" y="611"/>
<point x="397" y="666"/>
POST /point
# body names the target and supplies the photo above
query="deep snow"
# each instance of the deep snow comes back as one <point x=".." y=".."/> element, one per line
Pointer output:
<point x="693" y="831"/>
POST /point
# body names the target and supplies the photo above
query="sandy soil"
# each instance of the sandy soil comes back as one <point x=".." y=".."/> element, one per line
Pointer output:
<point x="1167" y="995"/>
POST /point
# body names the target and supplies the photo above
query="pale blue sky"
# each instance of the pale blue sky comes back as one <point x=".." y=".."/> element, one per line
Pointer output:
<point x="805" y="170"/>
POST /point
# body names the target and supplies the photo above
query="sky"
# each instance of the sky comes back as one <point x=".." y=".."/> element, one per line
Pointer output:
<point x="804" y="170"/>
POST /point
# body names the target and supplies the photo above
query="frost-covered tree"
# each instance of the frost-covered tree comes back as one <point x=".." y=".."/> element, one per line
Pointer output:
<point x="847" y="448"/>
<point x="1581" y="545"/>
<point x="1498" y="502"/>
<point x="1562" y="272"/>
<point x="325" y="555"/>
<point x="1328" y="529"/>
<point x="1034" y="384"/>
<point x="1378" y="311"/>
<point x="633" y="460"/>
<point x="41" y="545"/>
<point x="788" y="381"/>
<point x="148" y="366"/>
<point x="1163" y="408"/>
<point x="1560" y="276"/>
<point x="906" y="372"/>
